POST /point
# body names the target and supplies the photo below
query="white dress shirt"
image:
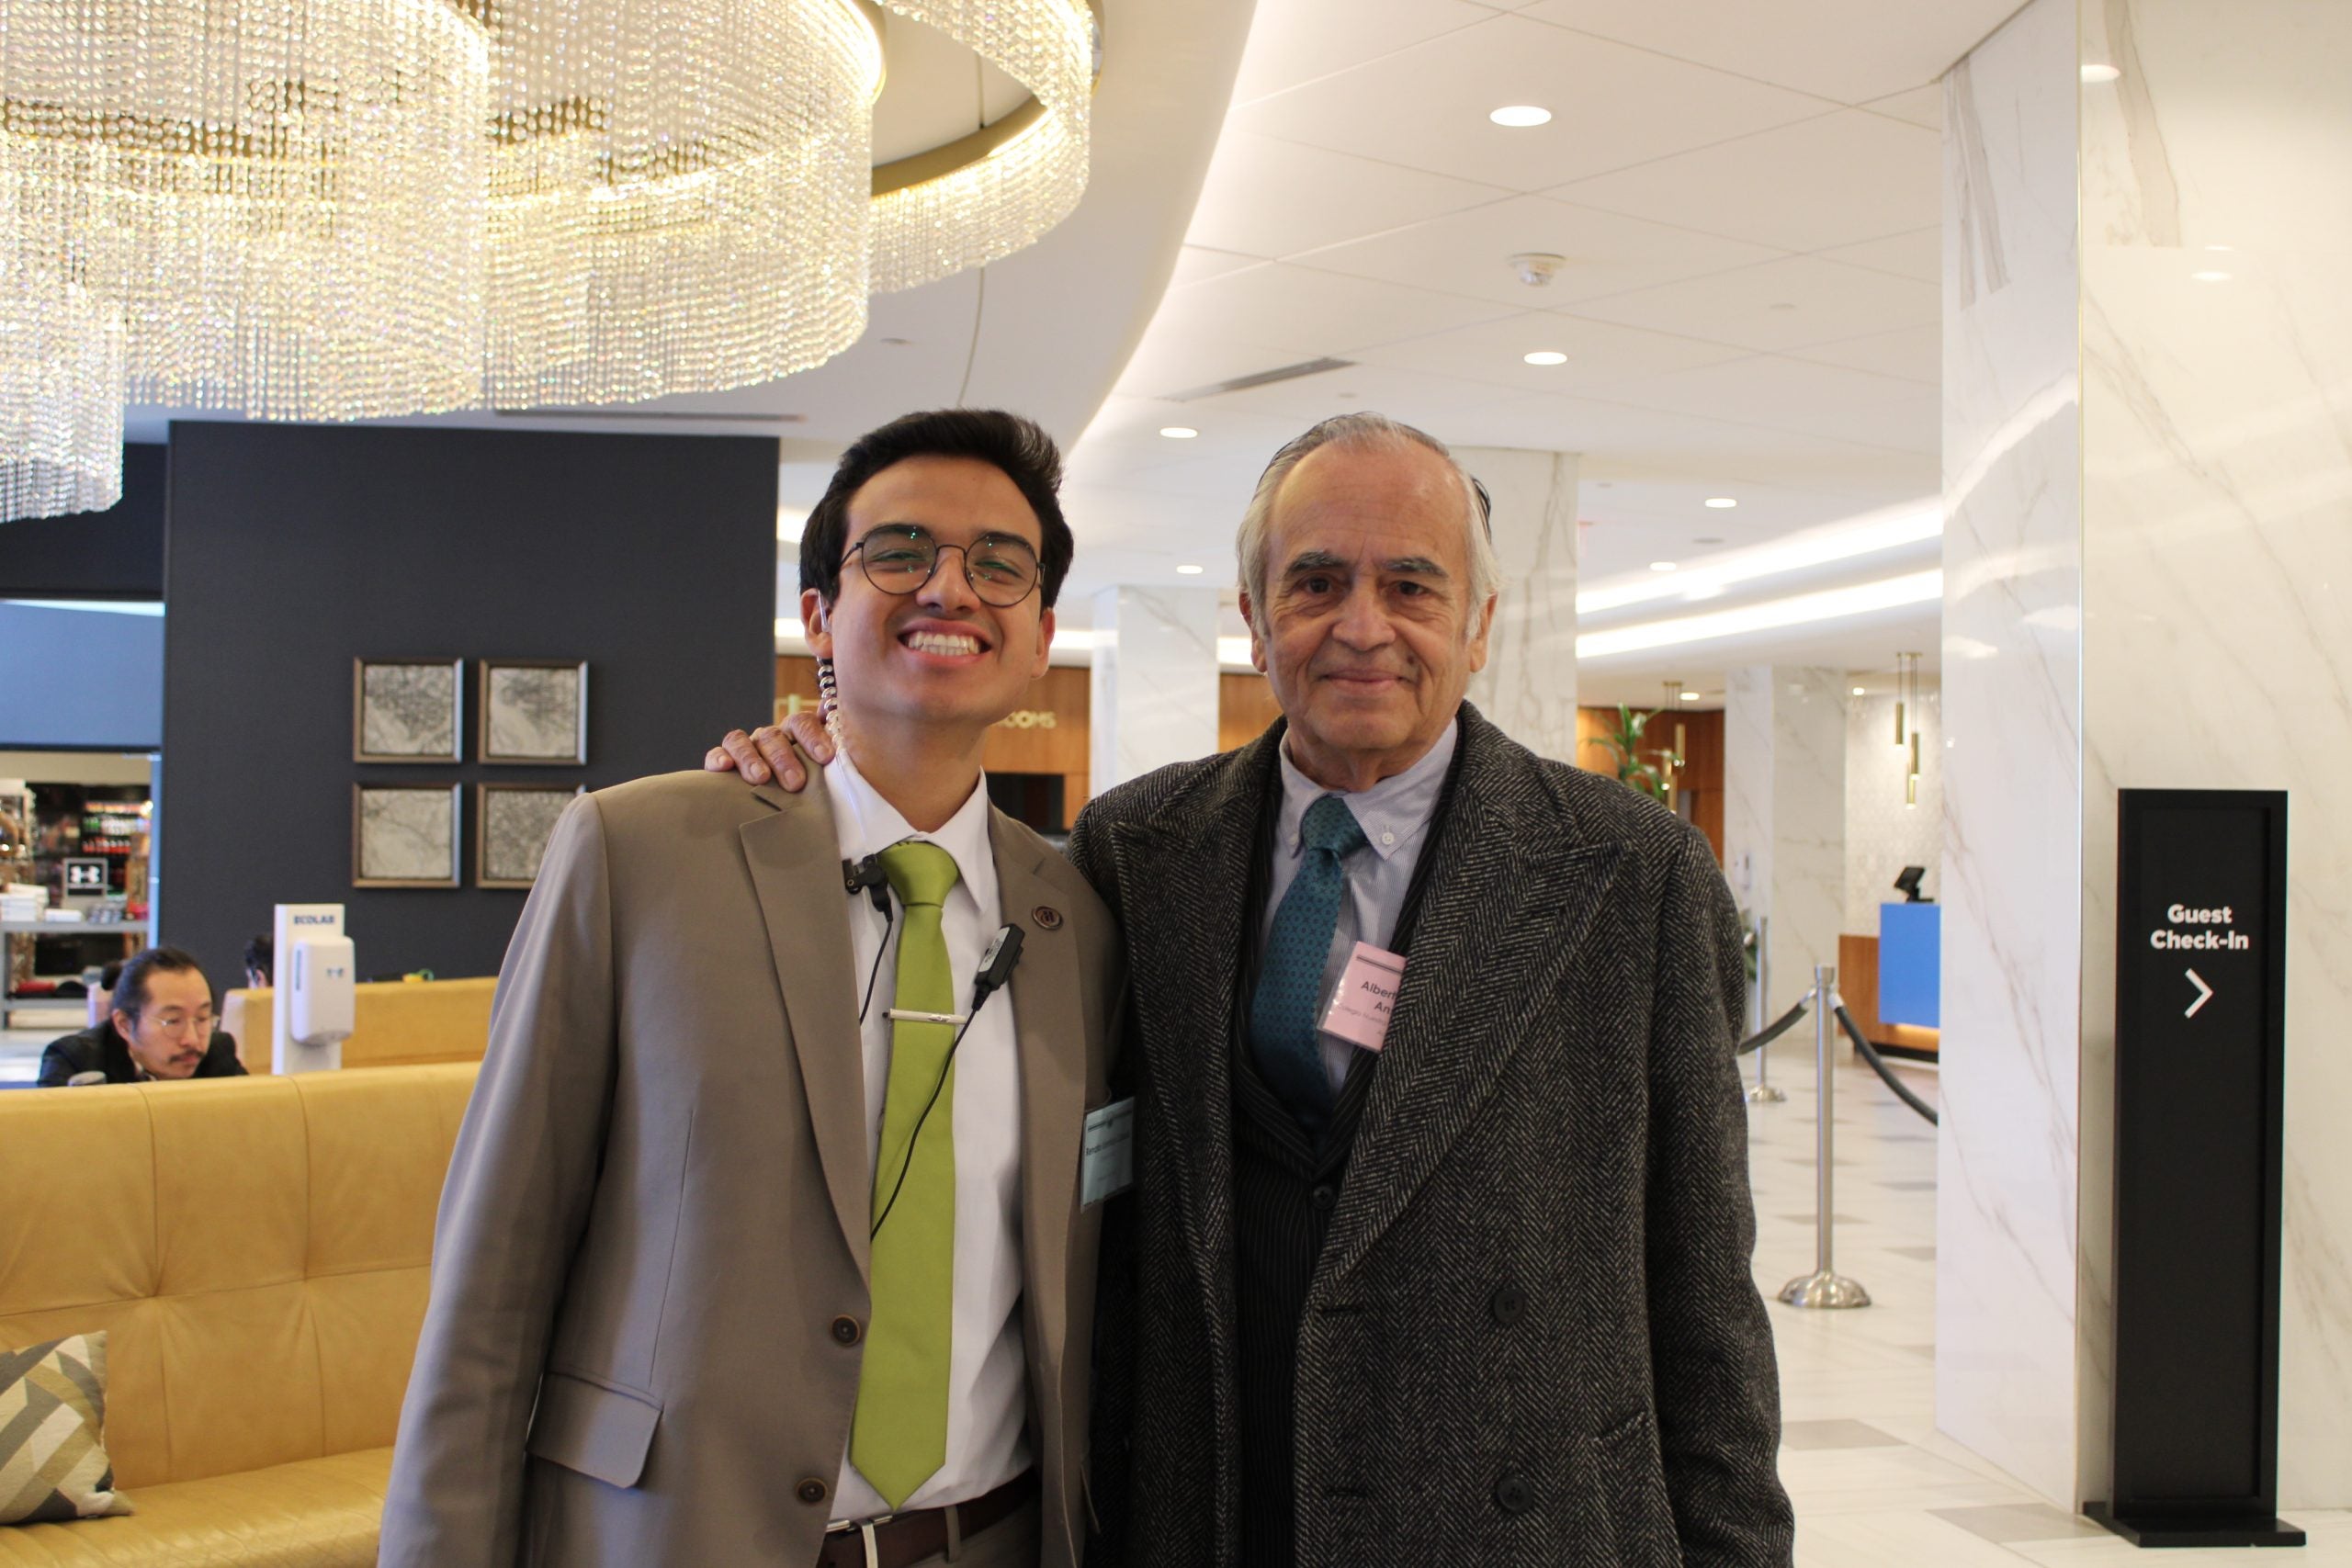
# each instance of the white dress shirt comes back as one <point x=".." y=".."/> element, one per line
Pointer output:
<point x="987" y="1442"/>
<point x="1395" y="814"/>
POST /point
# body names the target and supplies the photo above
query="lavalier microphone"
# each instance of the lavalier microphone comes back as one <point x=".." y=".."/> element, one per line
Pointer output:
<point x="867" y="874"/>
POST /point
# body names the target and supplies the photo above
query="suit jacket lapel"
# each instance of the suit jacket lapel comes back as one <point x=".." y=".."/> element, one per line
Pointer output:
<point x="1049" y="1025"/>
<point x="795" y="860"/>
<point x="1185" y="904"/>
<point x="1503" y="912"/>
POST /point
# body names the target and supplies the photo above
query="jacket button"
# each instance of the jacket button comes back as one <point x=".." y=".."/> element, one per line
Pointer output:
<point x="1507" y="1304"/>
<point x="811" y="1491"/>
<point x="1323" y="1197"/>
<point x="1513" y="1495"/>
<point x="845" y="1330"/>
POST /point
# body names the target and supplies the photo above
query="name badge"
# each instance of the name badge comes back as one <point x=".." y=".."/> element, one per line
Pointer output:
<point x="1366" y="997"/>
<point x="1107" y="1165"/>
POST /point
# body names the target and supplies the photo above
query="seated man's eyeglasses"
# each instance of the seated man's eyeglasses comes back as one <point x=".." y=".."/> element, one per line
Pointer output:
<point x="899" y="559"/>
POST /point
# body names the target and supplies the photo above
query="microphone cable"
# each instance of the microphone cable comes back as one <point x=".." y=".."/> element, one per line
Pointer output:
<point x="997" y="964"/>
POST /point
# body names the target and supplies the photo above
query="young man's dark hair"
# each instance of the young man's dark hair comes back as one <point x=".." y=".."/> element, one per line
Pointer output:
<point x="1025" y="454"/>
<point x="131" y="986"/>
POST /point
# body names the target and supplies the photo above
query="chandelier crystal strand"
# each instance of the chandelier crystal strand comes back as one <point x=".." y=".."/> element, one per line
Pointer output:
<point x="61" y="393"/>
<point x="679" y="194"/>
<point x="998" y="204"/>
<point x="284" y="196"/>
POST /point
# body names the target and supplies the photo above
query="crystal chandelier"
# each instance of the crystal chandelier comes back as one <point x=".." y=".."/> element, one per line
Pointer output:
<point x="678" y="197"/>
<point x="1011" y="182"/>
<point x="61" y="393"/>
<point x="283" y="195"/>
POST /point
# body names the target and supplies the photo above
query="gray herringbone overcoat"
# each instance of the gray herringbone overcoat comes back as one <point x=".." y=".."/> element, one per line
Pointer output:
<point x="1532" y="1337"/>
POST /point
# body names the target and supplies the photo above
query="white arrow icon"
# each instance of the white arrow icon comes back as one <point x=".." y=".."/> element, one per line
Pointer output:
<point x="2204" y="993"/>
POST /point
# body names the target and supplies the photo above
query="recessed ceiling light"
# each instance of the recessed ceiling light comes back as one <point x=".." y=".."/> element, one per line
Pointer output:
<point x="1661" y="566"/>
<point x="2211" y="277"/>
<point x="1178" y="432"/>
<point x="1690" y="696"/>
<point x="2096" y="73"/>
<point x="1545" y="356"/>
<point x="1519" y="116"/>
<point x="1188" y="571"/>
<point x="1858" y="690"/>
<point x="1722" y="502"/>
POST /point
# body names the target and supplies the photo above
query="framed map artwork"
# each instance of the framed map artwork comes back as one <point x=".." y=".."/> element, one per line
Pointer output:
<point x="407" y="710"/>
<point x="534" y="711"/>
<point x="511" y="827"/>
<point x="404" y="835"/>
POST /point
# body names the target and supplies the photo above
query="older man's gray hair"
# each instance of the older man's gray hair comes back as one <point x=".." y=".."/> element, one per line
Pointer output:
<point x="1364" y="432"/>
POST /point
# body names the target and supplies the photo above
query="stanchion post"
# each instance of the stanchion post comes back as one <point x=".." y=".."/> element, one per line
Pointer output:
<point x="1825" y="1287"/>
<point x="1763" y="1093"/>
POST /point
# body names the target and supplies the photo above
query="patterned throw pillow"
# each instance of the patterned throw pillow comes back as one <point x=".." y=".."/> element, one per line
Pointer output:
<point x="53" y="1465"/>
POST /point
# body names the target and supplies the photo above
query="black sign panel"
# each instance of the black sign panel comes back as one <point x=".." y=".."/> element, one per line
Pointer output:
<point x="2200" y="1070"/>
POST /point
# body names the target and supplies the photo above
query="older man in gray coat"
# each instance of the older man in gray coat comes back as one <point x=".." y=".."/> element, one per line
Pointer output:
<point x="1438" y="1248"/>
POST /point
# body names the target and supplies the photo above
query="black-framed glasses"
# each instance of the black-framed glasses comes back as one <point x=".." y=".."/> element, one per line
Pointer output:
<point x="899" y="557"/>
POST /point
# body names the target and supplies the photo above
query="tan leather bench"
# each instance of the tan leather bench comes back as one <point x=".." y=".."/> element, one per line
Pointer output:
<point x="256" y="1250"/>
<point x="395" y="1023"/>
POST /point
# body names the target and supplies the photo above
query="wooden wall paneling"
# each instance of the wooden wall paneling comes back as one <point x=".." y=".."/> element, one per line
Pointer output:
<point x="1245" y="708"/>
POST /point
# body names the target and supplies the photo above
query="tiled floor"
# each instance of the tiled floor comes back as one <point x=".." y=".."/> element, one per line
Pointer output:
<point x="1876" y="1486"/>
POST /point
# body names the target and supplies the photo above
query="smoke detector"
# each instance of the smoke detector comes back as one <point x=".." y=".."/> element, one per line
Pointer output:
<point x="1537" y="268"/>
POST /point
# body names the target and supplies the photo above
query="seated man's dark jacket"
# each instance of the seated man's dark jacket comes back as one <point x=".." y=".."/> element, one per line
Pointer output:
<point x="1531" y="1336"/>
<point x="101" y="1049"/>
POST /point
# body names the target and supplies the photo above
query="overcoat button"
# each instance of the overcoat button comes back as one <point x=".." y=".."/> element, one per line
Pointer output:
<point x="845" y="1330"/>
<point x="811" y="1491"/>
<point x="1507" y="1304"/>
<point x="1048" y="919"/>
<point x="1323" y="1197"/>
<point x="1513" y="1495"/>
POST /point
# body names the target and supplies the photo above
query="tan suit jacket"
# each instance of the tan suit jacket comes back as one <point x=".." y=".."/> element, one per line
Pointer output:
<point x="657" y="1212"/>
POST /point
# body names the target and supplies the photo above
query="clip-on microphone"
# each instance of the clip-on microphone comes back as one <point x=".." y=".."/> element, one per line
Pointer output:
<point x="867" y="875"/>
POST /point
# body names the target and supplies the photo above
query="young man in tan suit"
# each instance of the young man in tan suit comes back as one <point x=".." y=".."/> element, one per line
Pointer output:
<point x="763" y="1242"/>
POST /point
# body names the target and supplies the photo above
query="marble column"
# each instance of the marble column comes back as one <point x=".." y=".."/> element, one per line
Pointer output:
<point x="2147" y="566"/>
<point x="1153" y="697"/>
<point x="1784" y="817"/>
<point x="1528" y="687"/>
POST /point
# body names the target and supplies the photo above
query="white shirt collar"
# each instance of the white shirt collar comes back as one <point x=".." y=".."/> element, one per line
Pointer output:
<point x="1392" y="812"/>
<point x="867" y="824"/>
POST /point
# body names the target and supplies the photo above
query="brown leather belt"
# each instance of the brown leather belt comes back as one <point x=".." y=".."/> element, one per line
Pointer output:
<point x="899" y="1539"/>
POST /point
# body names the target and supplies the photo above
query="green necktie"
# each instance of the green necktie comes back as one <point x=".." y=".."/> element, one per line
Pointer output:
<point x="899" y="1439"/>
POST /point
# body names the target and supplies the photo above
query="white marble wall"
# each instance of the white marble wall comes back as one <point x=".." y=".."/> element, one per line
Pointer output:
<point x="1528" y="687"/>
<point x="2008" y="1161"/>
<point x="2217" y="551"/>
<point x="1883" y="833"/>
<point x="2148" y="562"/>
<point x="1153" y="694"/>
<point x="1784" y="816"/>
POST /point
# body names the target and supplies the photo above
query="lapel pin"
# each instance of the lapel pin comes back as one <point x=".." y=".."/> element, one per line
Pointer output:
<point x="1048" y="919"/>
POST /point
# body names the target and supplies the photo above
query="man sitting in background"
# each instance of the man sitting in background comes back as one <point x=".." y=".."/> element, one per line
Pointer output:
<point x="161" y="1026"/>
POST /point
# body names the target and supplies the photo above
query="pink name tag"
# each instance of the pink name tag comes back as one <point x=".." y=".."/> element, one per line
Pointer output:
<point x="1361" y="1008"/>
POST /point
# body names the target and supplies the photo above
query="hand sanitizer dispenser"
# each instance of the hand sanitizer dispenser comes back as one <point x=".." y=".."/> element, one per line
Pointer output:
<point x="319" y="1011"/>
<point x="311" y="1000"/>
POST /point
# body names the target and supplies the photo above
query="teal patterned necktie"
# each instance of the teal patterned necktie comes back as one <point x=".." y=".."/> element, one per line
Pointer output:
<point x="1290" y="980"/>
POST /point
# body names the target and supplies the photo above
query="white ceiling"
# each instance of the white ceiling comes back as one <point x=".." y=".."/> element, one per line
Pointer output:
<point x="1747" y="193"/>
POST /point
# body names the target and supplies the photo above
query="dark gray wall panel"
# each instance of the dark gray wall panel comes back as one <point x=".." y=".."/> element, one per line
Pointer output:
<point x="295" y="548"/>
<point x="114" y="554"/>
